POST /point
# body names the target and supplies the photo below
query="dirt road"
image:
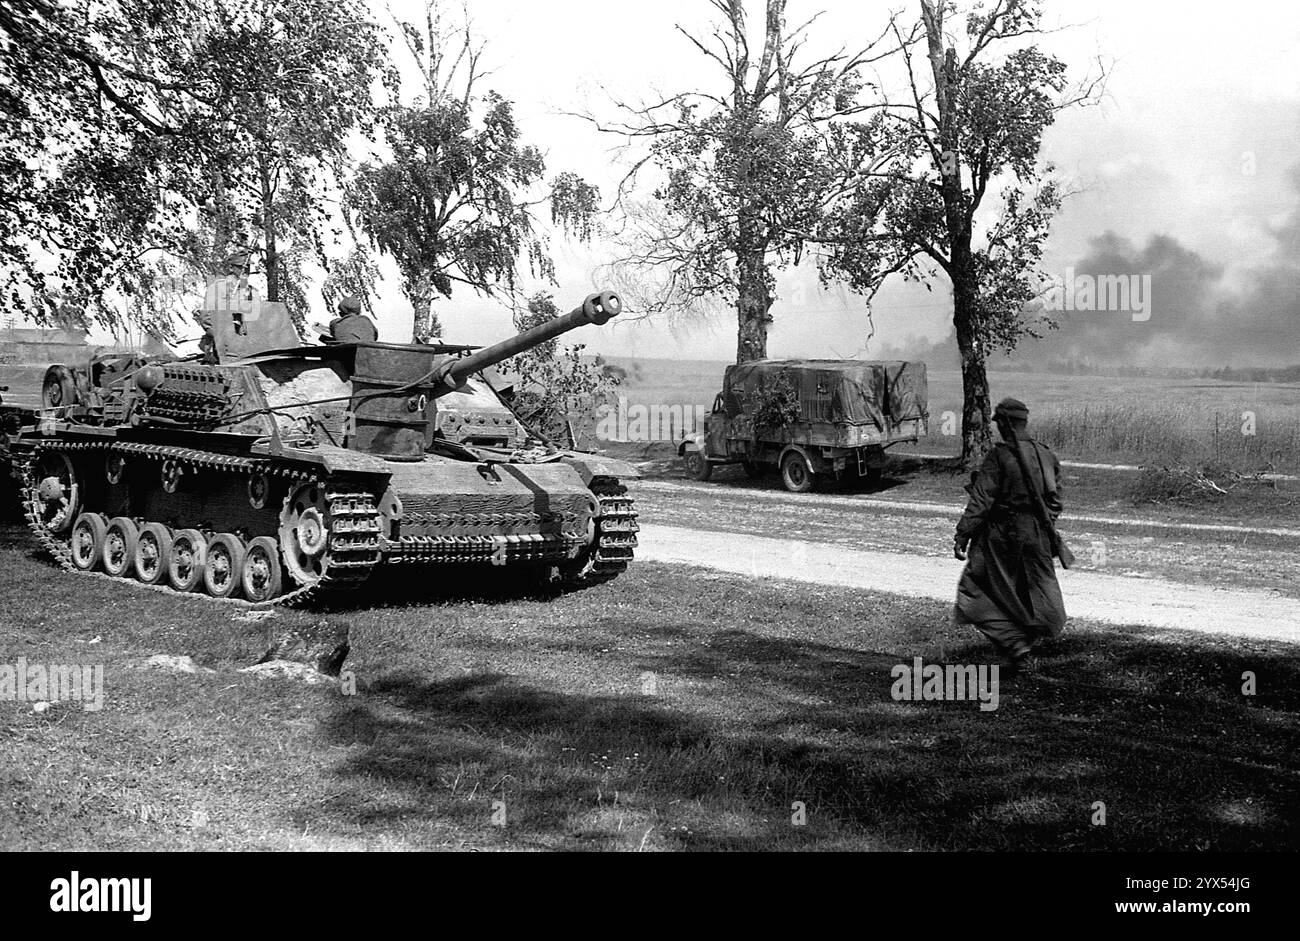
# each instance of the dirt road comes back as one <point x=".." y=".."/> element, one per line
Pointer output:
<point x="1215" y="579"/>
<point x="1089" y="595"/>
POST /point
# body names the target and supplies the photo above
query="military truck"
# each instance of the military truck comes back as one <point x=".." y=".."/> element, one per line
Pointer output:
<point x="837" y="418"/>
<point x="25" y="355"/>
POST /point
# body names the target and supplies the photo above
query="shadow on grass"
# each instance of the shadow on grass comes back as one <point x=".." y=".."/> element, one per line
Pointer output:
<point x="389" y="586"/>
<point x="1157" y="732"/>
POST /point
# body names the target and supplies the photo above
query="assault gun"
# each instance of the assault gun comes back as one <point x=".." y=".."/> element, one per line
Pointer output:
<point x="1059" y="548"/>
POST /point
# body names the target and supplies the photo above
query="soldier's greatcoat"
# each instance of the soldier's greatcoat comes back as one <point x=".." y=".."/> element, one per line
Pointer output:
<point x="353" y="328"/>
<point x="1008" y="588"/>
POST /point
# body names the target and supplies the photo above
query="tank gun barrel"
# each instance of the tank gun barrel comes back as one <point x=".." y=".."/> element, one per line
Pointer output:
<point x="596" y="309"/>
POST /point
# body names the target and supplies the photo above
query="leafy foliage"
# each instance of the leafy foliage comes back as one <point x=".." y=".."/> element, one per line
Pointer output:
<point x="88" y="145"/>
<point x="357" y="273"/>
<point x="560" y="388"/>
<point x="454" y="204"/>
<point x="746" y="172"/>
<point x="775" y="403"/>
<point x="294" y="81"/>
<point x="978" y="124"/>
<point x="146" y="140"/>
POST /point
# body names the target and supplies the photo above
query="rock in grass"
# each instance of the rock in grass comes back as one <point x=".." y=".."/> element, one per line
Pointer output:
<point x="323" y="646"/>
<point x="162" y="661"/>
<point x="287" y="670"/>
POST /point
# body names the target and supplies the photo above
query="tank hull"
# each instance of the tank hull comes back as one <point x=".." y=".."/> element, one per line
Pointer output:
<point x="336" y="515"/>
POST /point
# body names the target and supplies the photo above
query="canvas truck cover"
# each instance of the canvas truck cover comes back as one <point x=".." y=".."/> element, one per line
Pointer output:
<point x="856" y="392"/>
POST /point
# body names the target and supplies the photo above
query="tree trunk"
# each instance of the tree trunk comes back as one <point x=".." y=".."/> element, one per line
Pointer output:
<point x="753" y="306"/>
<point x="425" y="324"/>
<point x="976" y="438"/>
<point x="268" y="234"/>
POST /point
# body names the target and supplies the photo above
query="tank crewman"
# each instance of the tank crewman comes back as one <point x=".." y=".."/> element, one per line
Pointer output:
<point x="1008" y="589"/>
<point x="351" y="326"/>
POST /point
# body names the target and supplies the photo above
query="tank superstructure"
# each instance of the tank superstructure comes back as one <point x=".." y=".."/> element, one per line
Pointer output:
<point x="276" y="471"/>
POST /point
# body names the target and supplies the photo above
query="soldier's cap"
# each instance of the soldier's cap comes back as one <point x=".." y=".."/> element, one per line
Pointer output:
<point x="1013" y="409"/>
<point x="350" y="305"/>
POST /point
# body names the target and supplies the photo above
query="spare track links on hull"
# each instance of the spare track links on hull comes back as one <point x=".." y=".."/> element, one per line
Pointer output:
<point x="352" y="542"/>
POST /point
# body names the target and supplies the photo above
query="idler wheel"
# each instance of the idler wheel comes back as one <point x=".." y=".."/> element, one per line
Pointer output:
<point x="262" y="578"/>
<point x="119" y="545"/>
<point x="88" y="541"/>
<point x="57" y="494"/>
<point x="305" y="534"/>
<point x="223" y="570"/>
<point x="185" y="563"/>
<point x="152" y="550"/>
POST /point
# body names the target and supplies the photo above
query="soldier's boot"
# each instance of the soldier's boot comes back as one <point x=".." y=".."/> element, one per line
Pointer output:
<point x="1020" y="660"/>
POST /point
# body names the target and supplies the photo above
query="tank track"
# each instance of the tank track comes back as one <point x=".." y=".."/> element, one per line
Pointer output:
<point x="355" y="542"/>
<point x="353" y="545"/>
<point x="616" y="529"/>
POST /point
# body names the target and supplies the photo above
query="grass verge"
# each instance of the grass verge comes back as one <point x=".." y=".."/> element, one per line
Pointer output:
<point x="671" y="709"/>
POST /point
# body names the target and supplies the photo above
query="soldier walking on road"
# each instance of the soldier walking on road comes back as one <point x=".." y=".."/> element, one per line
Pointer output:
<point x="1009" y="589"/>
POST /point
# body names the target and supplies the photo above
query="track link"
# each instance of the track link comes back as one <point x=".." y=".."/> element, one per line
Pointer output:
<point x="355" y="545"/>
<point x="616" y="529"/>
<point x="354" y="540"/>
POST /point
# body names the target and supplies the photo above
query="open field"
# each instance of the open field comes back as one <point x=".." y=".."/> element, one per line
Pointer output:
<point x="631" y="716"/>
<point x="1092" y="418"/>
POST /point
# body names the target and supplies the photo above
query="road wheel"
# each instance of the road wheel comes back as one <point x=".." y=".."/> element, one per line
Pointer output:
<point x="223" y="570"/>
<point x="262" y="577"/>
<point x="88" y="541"/>
<point x="796" y="474"/>
<point x="185" y="563"/>
<point x="119" y="545"/>
<point x="697" y="466"/>
<point x="152" y="550"/>
<point x="753" y="468"/>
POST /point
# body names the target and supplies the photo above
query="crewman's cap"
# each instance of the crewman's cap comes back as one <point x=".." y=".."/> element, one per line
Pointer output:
<point x="1013" y="409"/>
<point x="350" y="305"/>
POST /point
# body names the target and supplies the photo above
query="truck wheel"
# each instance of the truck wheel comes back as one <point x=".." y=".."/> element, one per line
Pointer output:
<point x="59" y="387"/>
<point x="795" y="473"/>
<point x="753" y="468"/>
<point x="697" y="465"/>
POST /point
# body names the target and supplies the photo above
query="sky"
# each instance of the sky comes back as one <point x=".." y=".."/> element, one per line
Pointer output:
<point x="1193" y="145"/>
<point x="1194" y="140"/>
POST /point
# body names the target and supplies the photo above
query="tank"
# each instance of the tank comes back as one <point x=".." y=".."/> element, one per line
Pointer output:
<point x="282" y="472"/>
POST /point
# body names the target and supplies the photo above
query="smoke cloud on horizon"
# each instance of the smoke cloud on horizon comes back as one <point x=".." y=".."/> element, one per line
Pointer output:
<point x="1200" y="314"/>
